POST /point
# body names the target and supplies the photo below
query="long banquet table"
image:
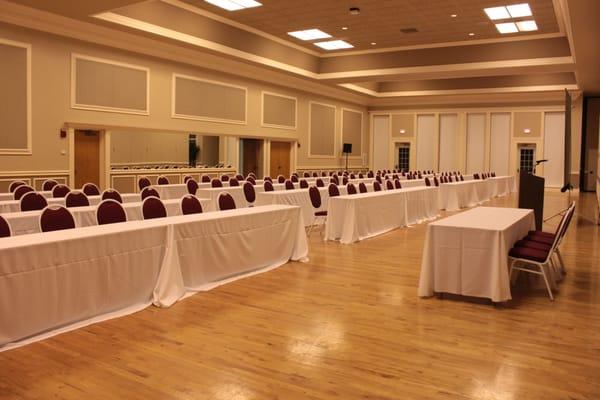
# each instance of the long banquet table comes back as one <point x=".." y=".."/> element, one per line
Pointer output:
<point x="58" y="281"/>
<point x="11" y="206"/>
<point x="467" y="253"/>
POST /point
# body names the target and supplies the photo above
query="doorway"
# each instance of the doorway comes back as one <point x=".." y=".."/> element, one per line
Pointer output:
<point x="280" y="159"/>
<point x="526" y="158"/>
<point x="402" y="156"/>
<point x="251" y="156"/>
<point x="87" y="157"/>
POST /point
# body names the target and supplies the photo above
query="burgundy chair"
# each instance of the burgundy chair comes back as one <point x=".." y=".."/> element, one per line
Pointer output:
<point x="319" y="182"/>
<point x="216" y="183"/>
<point x="462" y="178"/>
<point x="90" y="189"/>
<point x="397" y="184"/>
<point x="351" y="188"/>
<point x="33" y="201"/>
<point x="234" y="182"/>
<point x="333" y="190"/>
<point x="149" y="192"/>
<point x="376" y="186"/>
<point x="239" y="177"/>
<point x="268" y="186"/>
<point x="153" y="208"/>
<point x="378" y="179"/>
<point x="226" y="202"/>
<point x="21" y="190"/>
<point x="280" y="179"/>
<point x="315" y="200"/>
<point x="345" y="180"/>
<point x="56" y="218"/>
<point x="224" y="178"/>
<point x="315" y="175"/>
<point x="323" y="173"/>
<point x="435" y="181"/>
<point x="205" y="179"/>
<point x="186" y="178"/>
<point x="360" y="176"/>
<point x="389" y="185"/>
<point x="249" y="193"/>
<point x="192" y="186"/>
<point x="294" y="178"/>
<point x="48" y="185"/>
<point x="303" y="184"/>
<point x="190" y="205"/>
<point x="4" y="228"/>
<point x="427" y="181"/>
<point x="449" y="178"/>
<point x="143" y="182"/>
<point x="475" y="176"/>
<point x="334" y="179"/>
<point x="14" y="185"/>
<point x="162" y="180"/>
<point x="111" y="194"/>
<point x="110" y="211"/>
<point x="362" y="187"/>
<point x="268" y="178"/>
<point x="251" y="180"/>
<point x="76" y="199"/>
<point x="493" y="174"/>
<point x="289" y="185"/>
<point x="352" y="176"/>
<point x="370" y="174"/>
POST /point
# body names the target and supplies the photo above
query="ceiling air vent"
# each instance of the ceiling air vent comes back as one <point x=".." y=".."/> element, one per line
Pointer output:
<point x="409" y="30"/>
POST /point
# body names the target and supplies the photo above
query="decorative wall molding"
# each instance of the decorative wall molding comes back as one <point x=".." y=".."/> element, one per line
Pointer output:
<point x="310" y="155"/>
<point x="262" y="108"/>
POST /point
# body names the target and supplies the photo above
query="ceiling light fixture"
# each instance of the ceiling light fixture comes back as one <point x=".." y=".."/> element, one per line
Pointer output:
<point x="402" y="131"/>
<point x="234" y="5"/>
<point x="495" y="13"/>
<point x="526" y="130"/>
<point x="310" y="34"/>
<point x="344" y="28"/>
<point x="453" y="16"/>
<point x="507" y="27"/>
<point x="373" y="43"/>
<point x="527" y="26"/>
<point x="354" y="10"/>
<point x="471" y="34"/>
<point x="334" y="45"/>
<point x="519" y="10"/>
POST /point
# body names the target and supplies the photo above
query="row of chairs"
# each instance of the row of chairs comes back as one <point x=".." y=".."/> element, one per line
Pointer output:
<point x="20" y="188"/>
<point x="484" y="175"/>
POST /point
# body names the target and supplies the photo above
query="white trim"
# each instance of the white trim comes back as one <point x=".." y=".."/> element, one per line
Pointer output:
<point x="174" y="114"/>
<point x="75" y="105"/>
<point x="28" y="149"/>
<point x="262" y="112"/>
<point x="362" y="130"/>
<point x="309" y="154"/>
<point x="33" y="173"/>
<point x="514" y="89"/>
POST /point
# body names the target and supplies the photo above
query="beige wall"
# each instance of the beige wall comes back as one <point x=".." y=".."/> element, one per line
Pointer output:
<point x="148" y="147"/>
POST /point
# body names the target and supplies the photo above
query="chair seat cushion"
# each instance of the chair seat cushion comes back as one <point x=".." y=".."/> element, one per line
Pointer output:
<point x="542" y="233"/>
<point x="533" y="245"/>
<point x="528" y="253"/>
<point x="539" y="239"/>
<point x="320" y="213"/>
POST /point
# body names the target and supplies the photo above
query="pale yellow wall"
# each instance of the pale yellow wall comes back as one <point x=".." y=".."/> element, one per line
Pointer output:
<point x="148" y="147"/>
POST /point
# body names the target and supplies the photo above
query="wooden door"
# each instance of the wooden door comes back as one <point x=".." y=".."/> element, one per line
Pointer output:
<point x="251" y="156"/>
<point x="280" y="159"/>
<point x="87" y="157"/>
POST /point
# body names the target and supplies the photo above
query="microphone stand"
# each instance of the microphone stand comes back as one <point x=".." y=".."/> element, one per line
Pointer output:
<point x="567" y="187"/>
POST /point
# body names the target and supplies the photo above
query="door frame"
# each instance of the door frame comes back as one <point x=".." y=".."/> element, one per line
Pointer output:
<point x="104" y="157"/>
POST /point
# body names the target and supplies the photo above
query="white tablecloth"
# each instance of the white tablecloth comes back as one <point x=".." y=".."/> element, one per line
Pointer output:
<point x="356" y="217"/>
<point x="456" y="195"/>
<point x="171" y="191"/>
<point x="127" y="197"/>
<point x="237" y="192"/>
<point x="467" y="253"/>
<point x="421" y="203"/>
<point x="22" y="223"/>
<point x="12" y="206"/>
<point x="58" y="281"/>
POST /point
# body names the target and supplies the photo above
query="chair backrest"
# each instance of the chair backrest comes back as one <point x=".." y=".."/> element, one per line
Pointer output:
<point x="239" y="177"/>
<point x="76" y="199"/>
<point x="153" y="207"/>
<point x="268" y="178"/>
<point x="110" y="211"/>
<point x="162" y="180"/>
<point x="315" y="175"/>
<point x="21" y="190"/>
<point x="397" y="184"/>
<point x="149" y="192"/>
<point x="205" y="179"/>
<point x="216" y="183"/>
<point x="14" y="185"/>
<point x="323" y="173"/>
<point x="376" y="186"/>
<point x="436" y="182"/>
<point x="249" y="192"/>
<point x="234" y="182"/>
<point x="565" y="225"/>
<point x="33" y="201"/>
<point x="289" y="185"/>
<point x="90" y="189"/>
<point x="389" y="185"/>
<point x="192" y="186"/>
<point x="112" y="194"/>
<point x="319" y="182"/>
<point x="350" y="188"/>
<point x="362" y="187"/>
<point x="251" y="180"/>
<point x="48" y="184"/>
<point x="186" y="178"/>
<point x="56" y="218"/>
<point x="294" y="178"/>
<point x="251" y="175"/>
<point x="190" y="205"/>
<point x="4" y="228"/>
<point x="427" y="181"/>
<point x="315" y="196"/>
<point x="268" y="186"/>
<point x="226" y="201"/>
<point x="378" y="179"/>
<point x="224" y="178"/>
<point x="345" y="180"/>
<point x="360" y="176"/>
<point x="333" y="190"/>
<point x="280" y="179"/>
<point x="462" y="178"/>
<point x="303" y="184"/>
<point x="143" y="182"/>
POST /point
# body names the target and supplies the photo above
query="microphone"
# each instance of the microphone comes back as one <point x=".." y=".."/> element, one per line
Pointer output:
<point x="567" y="186"/>
<point x="538" y="162"/>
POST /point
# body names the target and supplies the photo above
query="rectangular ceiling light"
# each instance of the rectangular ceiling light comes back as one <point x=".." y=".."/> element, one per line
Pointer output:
<point x="234" y="5"/>
<point x="334" y="45"/>
<point x="494" y="13"/>
<point x="527" y="26"/>
<point x="310" y="34"/>
<point x="519" y="10"/>
<point x="507" y="27"/>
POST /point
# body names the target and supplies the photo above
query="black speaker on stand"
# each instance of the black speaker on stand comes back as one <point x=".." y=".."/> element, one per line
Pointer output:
<point x="347" y="149"/>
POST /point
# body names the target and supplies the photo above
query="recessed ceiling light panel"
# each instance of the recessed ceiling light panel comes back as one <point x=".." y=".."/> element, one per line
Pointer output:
<point x="519" y="10"/>
<point x="527" y="26"/>
<point x="334" y="45"/>
<point x="495" y="13"/>
<point x="310" y="34"/>
<point x="234" y="5"/>
<point x="507" y="27"/>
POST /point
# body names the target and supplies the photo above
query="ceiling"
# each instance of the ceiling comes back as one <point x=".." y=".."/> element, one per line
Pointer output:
<point x="439" y="61"/>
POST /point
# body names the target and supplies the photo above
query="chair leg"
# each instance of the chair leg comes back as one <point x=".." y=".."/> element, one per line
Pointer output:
<point x="546" y="281"/>
<point x="310" y="228"/>
<point x="510" y="273"/>
<point x="562" y="263"/>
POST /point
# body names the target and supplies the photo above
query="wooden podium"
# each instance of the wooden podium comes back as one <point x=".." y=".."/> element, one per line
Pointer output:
<point x="531" y="196"/>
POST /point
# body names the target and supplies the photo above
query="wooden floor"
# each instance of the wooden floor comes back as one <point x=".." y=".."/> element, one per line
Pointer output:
<point x="346" y="325"/>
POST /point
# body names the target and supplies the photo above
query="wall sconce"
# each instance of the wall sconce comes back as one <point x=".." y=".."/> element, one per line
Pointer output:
<point x="526" y="130"/>
<point x="402" y="131"/>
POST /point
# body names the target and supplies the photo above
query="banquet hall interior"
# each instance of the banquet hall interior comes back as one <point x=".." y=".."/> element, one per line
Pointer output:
<point x="317" y="199"/>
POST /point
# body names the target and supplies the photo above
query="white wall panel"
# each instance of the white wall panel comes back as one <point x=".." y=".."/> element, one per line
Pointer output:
<point x="500" y="143"/>
<point x="426" y="142"/>
<point x="554" y="148"/>
<point x="475" y="143"/>
<point x="448" y="142"/>
<point x="381" y="141"/>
